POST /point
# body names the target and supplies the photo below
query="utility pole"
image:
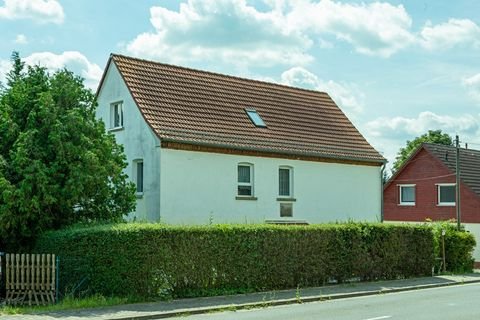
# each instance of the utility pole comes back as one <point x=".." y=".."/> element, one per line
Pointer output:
<point x="457" y="184"/>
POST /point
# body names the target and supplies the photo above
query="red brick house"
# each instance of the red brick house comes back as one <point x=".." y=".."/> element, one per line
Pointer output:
<point x="424" y="187"/>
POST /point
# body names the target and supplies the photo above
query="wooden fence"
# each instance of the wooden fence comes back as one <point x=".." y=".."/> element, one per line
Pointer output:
<point x="30" y="278"/>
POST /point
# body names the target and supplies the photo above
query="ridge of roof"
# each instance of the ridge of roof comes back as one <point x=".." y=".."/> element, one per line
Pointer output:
<point x="444" y="146"/>
<point x="222" y="75"/>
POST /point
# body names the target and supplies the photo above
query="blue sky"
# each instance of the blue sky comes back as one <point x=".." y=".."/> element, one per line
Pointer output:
<point x="396" y="68"/>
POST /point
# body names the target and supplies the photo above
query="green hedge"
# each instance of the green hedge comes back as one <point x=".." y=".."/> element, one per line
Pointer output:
<point x="459" y="246"/>
<point x="151" y="260"/>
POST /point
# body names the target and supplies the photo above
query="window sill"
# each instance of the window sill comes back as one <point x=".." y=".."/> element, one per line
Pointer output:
<point x="139" y="195"/>
<point x="406" y="204"/>
<point x="286" y="199"/>
<point x="115" y="129"/>
<point x="446" y="205"/>
<point x="245" y="198"/>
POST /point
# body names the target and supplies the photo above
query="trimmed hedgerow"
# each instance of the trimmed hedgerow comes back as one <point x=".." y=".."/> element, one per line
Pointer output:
<point x="459" y="246"/>
<point x="153" y="260"/>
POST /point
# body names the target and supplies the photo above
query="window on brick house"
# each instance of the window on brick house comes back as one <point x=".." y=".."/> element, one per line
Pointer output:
<point x="406" y="194"/>
<point x="446" y="194"/>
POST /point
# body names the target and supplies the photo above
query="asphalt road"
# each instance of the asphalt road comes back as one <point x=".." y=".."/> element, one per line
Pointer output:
<point x="455" y="302"/>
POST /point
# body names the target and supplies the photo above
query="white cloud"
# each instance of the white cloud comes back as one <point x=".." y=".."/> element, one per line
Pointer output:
<point x="237" y="33"/>
<point x="42" y="11"/>
<point x="347" y="96"/>
<point x="390" y="134"/>
<point x="21" y="39"/>
<point x="298" y="76"/>
<point x="5" y="67"/>
<point x="473" y="84"/>
<point x="455" y="32"/>
<point x="72" y="60"/>
<point x="283" y="32"/>
<point x="221" y="31"/>
<point x="401" y="126"/>
<point x="374" y="29"/>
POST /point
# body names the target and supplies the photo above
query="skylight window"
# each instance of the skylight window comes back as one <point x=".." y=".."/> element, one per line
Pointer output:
<point x="255" y="117"/>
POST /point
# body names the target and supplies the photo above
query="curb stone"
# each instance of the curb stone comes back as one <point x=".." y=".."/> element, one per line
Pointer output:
<point x="280" y="302"/>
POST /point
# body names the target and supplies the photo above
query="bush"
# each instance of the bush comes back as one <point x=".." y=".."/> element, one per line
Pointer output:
<point x="459" y="246"/>
<point x="152" y="260"/>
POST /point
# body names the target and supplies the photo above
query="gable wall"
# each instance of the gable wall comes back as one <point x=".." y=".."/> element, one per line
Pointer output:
<point x="138" y="140"/>
<point x="425" y="171"/>
<point x="201" y="187"/>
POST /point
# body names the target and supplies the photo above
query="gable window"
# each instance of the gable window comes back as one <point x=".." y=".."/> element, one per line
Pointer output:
<point x="138" y="175"/>
<point x="116" y="115"/>
<point x="407" y="194"/>
<point x="255" y="118"/>
<point x="286" y="210"/>
<point x="285" y="175"/>
<point x="446" y="194"/>
<point x="245" y="180"/>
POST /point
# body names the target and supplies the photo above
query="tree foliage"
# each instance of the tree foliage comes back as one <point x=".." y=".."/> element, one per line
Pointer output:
<point x="433" y="136"/>
<point x="57" y="164"/>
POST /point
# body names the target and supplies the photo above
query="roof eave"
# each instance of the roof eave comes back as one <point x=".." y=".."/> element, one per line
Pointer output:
<point x="105" y="71"/>
<point x="380" y="162"/>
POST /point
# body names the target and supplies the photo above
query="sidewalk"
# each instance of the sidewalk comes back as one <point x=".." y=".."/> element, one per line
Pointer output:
<point x="159" y="310"/>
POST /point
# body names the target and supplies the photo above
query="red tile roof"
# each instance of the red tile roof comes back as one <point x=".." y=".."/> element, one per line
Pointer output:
<point x="198" y="107"/>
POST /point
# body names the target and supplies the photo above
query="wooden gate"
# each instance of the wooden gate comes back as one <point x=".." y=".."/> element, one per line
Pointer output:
<point x="31" y="278"/>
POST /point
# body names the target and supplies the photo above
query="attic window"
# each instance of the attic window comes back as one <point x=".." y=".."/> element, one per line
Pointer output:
<point x="255" y="117"/>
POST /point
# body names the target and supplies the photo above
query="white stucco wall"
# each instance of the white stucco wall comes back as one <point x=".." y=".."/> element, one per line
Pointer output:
<point x="186" y="187"/>
<point x="138" y="140"/>
<point x="474" y="228"/>
<point x="199" y="186"/>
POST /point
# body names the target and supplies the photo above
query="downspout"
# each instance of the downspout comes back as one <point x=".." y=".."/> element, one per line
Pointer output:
<point x="381" y="191"/>
<point x="158" y="148"/>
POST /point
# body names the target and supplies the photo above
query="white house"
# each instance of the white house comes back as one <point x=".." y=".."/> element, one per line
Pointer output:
<point x="204" y="147"/>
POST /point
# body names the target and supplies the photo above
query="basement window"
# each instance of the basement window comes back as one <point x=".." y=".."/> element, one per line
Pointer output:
<point x="255" y="117"/>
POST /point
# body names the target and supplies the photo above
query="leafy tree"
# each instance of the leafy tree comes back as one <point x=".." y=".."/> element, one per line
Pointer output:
<point x="433" y="136"/>
<point x="57" y="164"/>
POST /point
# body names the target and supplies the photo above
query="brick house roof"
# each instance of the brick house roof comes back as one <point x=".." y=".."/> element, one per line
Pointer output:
<point x="204" y="108"/>
<point x="469" y="163"/>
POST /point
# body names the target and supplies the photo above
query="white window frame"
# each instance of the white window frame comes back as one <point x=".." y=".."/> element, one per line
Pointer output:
<point x="113" y="112"/>
<point x="290" y="181"/>
<point x="446" y="204"/>
<point x="400" y="200"/>
<point x="248" y="184"/>
<point x="135" y="176"/>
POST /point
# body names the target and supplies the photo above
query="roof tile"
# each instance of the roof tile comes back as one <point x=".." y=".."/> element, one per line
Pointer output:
<point x="192" y="106"/>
